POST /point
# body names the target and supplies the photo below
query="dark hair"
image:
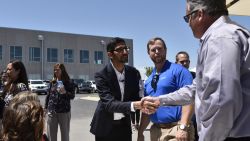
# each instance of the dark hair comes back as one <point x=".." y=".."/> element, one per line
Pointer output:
<point x="113" y="43"/>
<point x="212" y="7"/>
<point x="181" y="52"/>
<point x="22" y="77"/>
<point x="19" y="84"/>
<point x="23" y="119"/>
<point x="152" y="41"/>
<point x="64" y="75"/>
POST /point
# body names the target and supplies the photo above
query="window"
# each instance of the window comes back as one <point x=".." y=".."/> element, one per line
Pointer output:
<point x="52" y="54"/>
<point x="98" y="57"/>
<point x="34" y="54"/>
<point x="68" y="55"/>
<point x="15" y="52"/>
<point x="84" y="56"/>
<point x="1" y="52"/>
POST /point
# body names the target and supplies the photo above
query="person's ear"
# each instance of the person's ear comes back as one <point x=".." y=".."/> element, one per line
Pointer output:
<point x="110" y="55"/>
<point x="201" y="14"/>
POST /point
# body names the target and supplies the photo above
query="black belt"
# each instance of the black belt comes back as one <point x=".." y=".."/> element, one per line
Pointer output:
<point x="238" y="139"/>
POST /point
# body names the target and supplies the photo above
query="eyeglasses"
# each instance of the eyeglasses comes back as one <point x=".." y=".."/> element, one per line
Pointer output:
<point x="121" y="49"/>
<point x="155" y="81"/>
<point x="186" y="18"/>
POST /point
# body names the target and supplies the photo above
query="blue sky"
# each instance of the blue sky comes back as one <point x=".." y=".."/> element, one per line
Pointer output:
<point x="139" y="20"/>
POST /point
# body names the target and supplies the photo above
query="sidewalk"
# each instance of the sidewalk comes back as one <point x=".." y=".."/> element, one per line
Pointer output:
<point x="95" y="97"/>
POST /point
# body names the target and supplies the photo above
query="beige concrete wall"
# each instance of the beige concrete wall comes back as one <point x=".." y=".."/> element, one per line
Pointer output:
<point x="29" y="38"/>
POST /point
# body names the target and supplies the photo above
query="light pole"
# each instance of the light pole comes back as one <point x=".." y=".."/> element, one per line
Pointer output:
<point x="103" y="44"/>
<point x="41" y="38"/>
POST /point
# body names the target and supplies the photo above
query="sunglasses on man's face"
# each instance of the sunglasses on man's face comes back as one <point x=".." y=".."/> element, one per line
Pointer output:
<point x="187" y="17"/>
<point x="154" y="82"/>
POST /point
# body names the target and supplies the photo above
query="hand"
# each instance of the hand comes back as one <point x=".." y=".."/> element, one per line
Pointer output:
<point x="137" y="105"/>
<point x="62" y="90"/>
<point x="150" y="104"/>
<point x="181" y="135"/>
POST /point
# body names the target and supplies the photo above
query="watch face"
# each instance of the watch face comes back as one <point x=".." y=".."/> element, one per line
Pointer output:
<point x="182" y="127"/>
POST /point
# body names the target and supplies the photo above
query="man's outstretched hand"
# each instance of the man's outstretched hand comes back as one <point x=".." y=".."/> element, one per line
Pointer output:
<point x="150" y="104"/>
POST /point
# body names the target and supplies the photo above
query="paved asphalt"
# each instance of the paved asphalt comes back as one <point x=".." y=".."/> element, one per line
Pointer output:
<point x="82" y="110"/>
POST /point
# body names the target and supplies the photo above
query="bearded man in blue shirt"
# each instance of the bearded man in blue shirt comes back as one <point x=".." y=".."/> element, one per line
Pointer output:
<point x="170" y="122"/>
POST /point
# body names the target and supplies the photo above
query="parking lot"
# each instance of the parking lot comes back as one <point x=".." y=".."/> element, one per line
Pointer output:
<point x="83" y="107"/>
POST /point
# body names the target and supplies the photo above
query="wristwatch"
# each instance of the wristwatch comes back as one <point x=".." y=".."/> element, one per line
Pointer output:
<point x="183" y="127"/>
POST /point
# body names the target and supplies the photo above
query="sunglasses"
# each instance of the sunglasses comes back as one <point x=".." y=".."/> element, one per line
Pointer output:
<point x="154" y="82"/>
<point x="187" y="17"/>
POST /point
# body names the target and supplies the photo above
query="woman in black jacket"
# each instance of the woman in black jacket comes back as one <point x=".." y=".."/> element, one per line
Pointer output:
<point x="57" y="104"/>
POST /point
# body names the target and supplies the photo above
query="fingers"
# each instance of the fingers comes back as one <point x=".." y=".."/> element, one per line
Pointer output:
<point x="150" y="104"/>
<point x="182" y="135"/>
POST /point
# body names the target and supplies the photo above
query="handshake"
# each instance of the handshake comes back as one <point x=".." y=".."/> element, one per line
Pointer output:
<point x="148" y="105"/>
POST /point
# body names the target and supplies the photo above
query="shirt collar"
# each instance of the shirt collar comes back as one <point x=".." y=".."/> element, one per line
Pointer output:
<point x="216" y="24"/>
<point x="117" y="72"/>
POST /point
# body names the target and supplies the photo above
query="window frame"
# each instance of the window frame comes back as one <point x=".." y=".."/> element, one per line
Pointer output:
<point x="32" y="57"/>
<point x="83" y="59"/>
<point x="14" y="56"/>
<point x="50" y="57"/>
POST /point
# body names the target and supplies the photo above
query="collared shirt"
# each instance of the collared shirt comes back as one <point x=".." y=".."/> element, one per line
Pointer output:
<point x="171" y="78"/>
<point x="222" y="83"/>
<point x="121" y="81"/>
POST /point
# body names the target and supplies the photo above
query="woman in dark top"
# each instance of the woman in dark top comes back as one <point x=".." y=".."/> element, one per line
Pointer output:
<point x="57" y="104"/>
<point x="17" y="81"/>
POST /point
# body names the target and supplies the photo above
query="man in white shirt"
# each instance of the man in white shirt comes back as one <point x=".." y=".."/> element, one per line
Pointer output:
<point x="118" y="89"/>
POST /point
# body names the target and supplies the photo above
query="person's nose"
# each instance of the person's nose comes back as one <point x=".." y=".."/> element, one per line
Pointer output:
<point x="157" y="51"/>
<point x="125" y="51"/>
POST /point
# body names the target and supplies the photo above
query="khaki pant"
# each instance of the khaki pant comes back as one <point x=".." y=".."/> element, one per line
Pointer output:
<point x="168" y="134"/>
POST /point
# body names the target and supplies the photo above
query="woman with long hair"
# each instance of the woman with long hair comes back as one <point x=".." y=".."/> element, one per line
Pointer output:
<point x="57" y="104"/>
<point x="17" y="82"/>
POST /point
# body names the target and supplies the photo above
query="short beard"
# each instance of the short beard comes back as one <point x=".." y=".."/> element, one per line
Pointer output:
<point x="125" y="60"/>
<point x="159" y="61"/>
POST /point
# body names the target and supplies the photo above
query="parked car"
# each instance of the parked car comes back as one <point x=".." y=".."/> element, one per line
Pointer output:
<point x="38" y="86"/>
<point x="85" y="87"/>
<point x="82" y="86"/>
<point x="93" y="85"/>
<point x="47" y="82"/>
